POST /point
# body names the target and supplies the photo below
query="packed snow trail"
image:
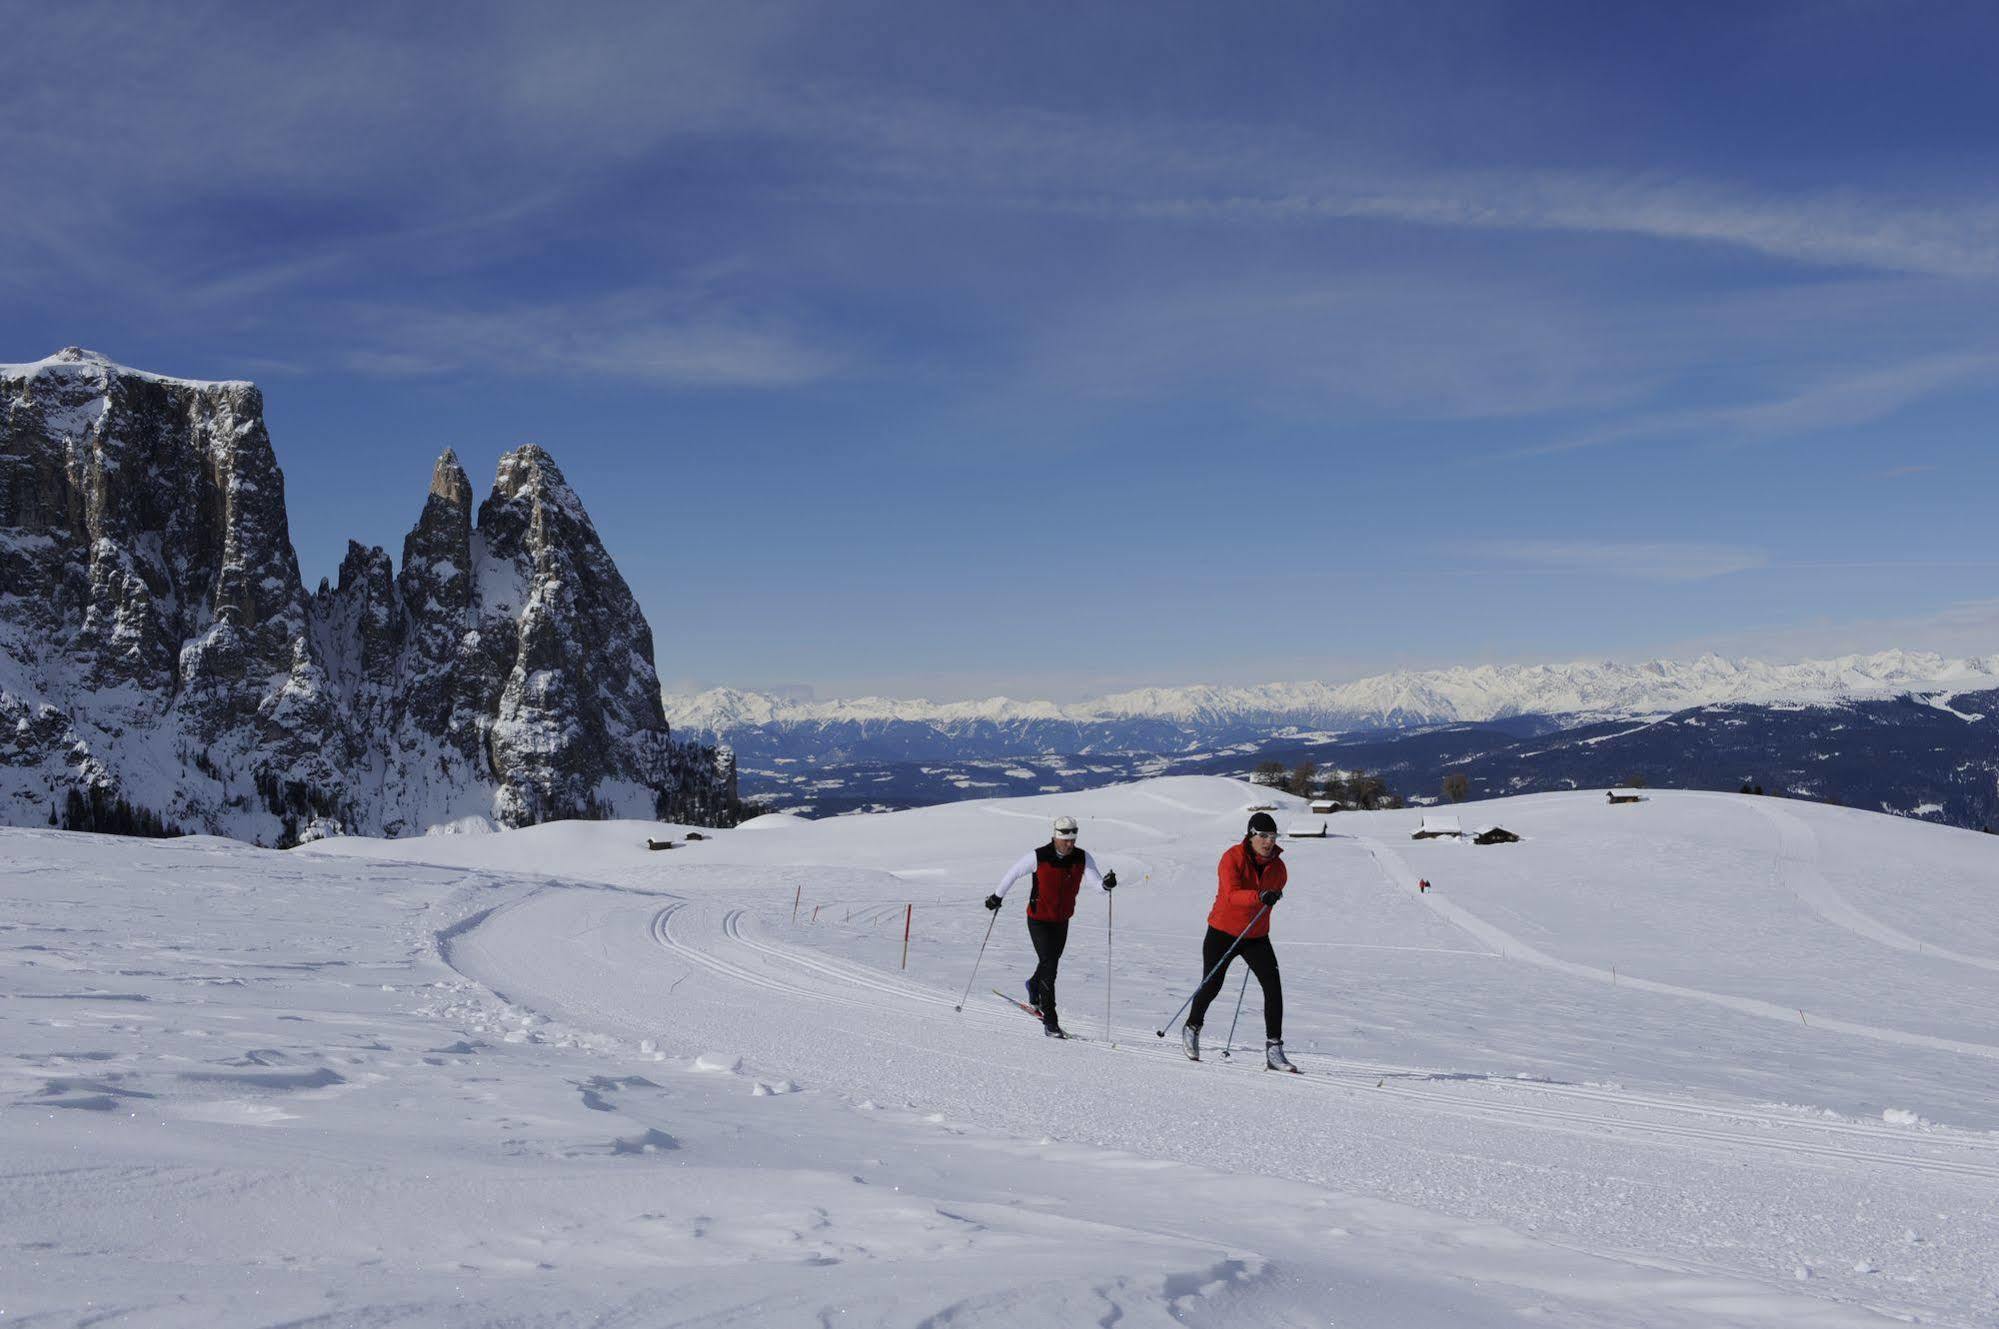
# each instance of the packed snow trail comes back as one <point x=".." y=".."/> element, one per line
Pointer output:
<point x="1801" y="873"/>
<point x="1717" y="1166"/>
<point x="547" y="1076"/>
<point x="873" y="1038"/>
<point x="856" y="987"/>
<point x="1512" y="947"/>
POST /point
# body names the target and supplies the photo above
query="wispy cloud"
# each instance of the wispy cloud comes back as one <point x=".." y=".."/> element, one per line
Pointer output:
<point x="1409" y="346"/>
<point x="1210" y="170"/>
<point x="240" y="169"/>
<point x="1655" y="560"/>
<point x="675" y="339"/>
<point x="1861" y="397"/>
<point x="1949" y="237"/>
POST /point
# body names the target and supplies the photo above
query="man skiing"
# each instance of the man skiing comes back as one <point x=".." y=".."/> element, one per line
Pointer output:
<point x="1057" y="871"/>
<point x="1249" y="883"/>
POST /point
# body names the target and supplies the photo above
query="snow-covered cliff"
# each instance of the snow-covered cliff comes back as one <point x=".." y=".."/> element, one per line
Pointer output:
<point x="160" y="658"/>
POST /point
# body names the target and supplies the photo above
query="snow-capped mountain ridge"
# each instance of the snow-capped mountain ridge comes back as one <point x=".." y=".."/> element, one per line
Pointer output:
<point x="76" y="362"/>
<point x="162" y="662"/>
<point x="1466" y="694"/>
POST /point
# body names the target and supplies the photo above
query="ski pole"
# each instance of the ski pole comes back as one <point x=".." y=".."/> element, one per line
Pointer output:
<point x="1110" y="911"/>
<point x="1219" y="964"/>
<point x="1241" y="992"/>
<point x="975" y="963"/>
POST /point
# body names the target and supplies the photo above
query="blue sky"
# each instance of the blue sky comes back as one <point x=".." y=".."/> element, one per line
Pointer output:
<point x="1052" y="349"/>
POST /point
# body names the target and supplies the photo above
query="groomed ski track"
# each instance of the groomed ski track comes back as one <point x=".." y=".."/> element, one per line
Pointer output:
<point x="764" y="964"/>
<point x="1702" y="1185"/>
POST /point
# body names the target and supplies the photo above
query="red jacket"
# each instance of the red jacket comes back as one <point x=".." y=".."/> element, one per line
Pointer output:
<point x="1241" y="878"/>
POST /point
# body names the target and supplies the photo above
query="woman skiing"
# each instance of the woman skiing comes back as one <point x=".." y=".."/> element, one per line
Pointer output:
<point x="1249" y="882"/>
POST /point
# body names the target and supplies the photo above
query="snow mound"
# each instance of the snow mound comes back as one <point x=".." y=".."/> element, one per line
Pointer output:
<point x="472" y="825"/>
<point x="773" y="821"/>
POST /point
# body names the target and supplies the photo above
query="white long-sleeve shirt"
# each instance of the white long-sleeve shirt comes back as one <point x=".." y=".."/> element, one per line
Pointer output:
<point x="1024" y="867"/>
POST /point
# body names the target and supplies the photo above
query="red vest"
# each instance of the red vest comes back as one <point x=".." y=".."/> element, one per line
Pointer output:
<point x="1056" y="881"/>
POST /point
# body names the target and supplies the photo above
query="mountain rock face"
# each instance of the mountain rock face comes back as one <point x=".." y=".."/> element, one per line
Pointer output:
<point x="160" y="660"/>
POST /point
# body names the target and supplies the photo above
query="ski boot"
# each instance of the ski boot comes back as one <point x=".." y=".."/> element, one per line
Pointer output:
<point x="1033" y="997"/>
<point x="1190" y="1039"/>
<point x="1274" y="1058"/>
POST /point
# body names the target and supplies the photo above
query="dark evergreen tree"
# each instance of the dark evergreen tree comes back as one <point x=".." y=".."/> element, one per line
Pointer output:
<point x="97" y="809"/>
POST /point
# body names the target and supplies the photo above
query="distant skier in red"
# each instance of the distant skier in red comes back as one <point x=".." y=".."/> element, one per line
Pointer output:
<point x="1057" y="870"/>
<point x="1249" y="881"/>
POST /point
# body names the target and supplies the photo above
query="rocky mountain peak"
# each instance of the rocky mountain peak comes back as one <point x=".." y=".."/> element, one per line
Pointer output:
<point x="159" y="653"/>
<point x="448" y="481"/>
<point x="437" y="553"/>
<point x="528" y="470"/>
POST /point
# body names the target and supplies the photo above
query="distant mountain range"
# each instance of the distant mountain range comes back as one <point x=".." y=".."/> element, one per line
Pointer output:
<point x="1884" y="731"/>
<point x="1173" y="719"/>
<point x="1932" y="756"/>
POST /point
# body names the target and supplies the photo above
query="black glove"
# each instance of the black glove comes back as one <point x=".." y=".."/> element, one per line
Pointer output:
<point x="1110" y="879"/>
<point x="1271" y="897"/>
<point x="993" y="903"/>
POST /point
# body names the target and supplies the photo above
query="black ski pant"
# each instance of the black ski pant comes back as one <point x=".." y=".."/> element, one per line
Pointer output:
<point x="1049" y="938"/>
<point x="1262" y="960"/>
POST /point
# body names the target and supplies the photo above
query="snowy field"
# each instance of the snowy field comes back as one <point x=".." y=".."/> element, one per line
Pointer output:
<point x="1702" y="1060"/>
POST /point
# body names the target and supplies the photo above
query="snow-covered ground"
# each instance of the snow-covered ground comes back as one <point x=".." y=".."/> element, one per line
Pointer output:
<point x="1700" y="1060"/>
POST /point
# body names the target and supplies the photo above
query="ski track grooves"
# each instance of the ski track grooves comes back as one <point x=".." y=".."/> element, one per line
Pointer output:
<point x="1397" y="870"/>
<point x="1798" y="865"/>
<point x="845" y="977"/>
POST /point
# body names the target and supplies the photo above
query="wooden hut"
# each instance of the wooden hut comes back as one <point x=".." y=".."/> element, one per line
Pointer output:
<point x="1437" y="826"/>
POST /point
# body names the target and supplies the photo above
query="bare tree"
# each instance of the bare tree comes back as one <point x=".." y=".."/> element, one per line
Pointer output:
<point x="1369" y="791"/>
<point x="1456" y="787"/>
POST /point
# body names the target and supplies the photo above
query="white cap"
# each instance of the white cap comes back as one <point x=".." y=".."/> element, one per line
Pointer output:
<point x="1066" y="826"/>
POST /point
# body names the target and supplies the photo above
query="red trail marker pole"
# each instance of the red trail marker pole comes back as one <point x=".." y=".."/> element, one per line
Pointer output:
<point x="908" y="912"/>
<point x="796" y="896"/>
